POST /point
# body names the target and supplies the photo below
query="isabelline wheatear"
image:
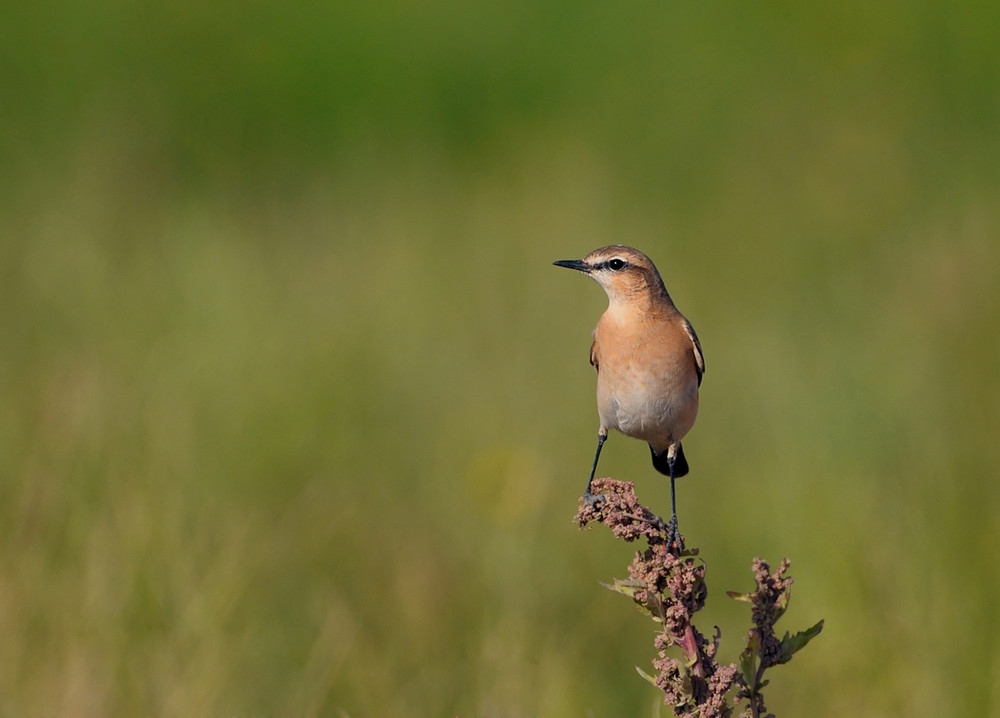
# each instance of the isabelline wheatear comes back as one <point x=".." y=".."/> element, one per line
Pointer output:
<point x="648" y="360"/>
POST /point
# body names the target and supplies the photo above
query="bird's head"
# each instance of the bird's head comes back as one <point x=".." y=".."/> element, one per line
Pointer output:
<point x="623" y="272"/>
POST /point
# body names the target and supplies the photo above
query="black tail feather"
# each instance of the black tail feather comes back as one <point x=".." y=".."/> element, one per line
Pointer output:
<point x="661" y="464"/>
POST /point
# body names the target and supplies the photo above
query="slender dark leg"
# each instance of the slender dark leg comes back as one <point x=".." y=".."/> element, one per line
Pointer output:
<point x="673" y="532"/>
<point x="673" y="493"/>
<point x="590" y="498"/>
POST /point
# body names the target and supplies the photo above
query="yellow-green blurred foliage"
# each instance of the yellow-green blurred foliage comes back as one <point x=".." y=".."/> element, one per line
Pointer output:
<point x="294" y="409"/>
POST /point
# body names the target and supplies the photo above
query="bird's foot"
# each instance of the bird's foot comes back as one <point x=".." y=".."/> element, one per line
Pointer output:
<point x="675" y="542"/>
<point x="594" y="500"/>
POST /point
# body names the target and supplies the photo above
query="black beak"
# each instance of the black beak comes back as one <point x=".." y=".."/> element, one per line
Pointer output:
<point x="577" y="264"/>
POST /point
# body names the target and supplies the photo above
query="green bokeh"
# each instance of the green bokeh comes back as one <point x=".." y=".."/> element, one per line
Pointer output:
<point x="294" y="409"/>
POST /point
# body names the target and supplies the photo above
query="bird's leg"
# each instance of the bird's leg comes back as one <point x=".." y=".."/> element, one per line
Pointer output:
<point x="673" y="532"/>
<point x="587" y="496"/>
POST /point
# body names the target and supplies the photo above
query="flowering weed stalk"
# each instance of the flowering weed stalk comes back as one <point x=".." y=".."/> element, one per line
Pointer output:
<point x="667" y="583"/>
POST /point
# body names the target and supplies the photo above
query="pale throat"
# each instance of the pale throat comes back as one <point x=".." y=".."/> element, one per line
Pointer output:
<point x="628" y="308"/>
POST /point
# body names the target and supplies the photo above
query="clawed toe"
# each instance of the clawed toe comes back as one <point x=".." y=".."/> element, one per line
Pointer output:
<point x="675" y="543"/>
<point x="594" y="500"/>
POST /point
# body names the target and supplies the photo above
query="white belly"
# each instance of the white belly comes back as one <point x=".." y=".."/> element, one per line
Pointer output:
<point x="660" y="413"/>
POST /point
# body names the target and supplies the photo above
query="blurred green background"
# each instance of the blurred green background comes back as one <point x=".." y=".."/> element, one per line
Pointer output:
<point x="295" y="411"/>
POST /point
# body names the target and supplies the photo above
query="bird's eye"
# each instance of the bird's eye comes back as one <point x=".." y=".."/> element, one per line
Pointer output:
<point x="616" y="264"/>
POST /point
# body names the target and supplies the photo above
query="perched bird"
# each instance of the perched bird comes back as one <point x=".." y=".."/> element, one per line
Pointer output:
<point x="648" y="360"/>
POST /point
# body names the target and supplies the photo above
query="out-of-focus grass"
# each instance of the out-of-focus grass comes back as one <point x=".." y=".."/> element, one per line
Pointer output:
<point x="294" y="410"/>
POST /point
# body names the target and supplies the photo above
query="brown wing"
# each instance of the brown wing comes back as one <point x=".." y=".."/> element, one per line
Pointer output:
<point x="594" y="361"/>
<point x="699" y="358"/>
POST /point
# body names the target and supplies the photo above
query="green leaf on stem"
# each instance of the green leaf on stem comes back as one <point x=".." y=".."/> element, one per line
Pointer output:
<point x="749" y="660"/>
<point x="791" y="644"/>
<point x="648" y="677"/>
<point x="625" y="586"/>
<point x="630" y="587"/>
